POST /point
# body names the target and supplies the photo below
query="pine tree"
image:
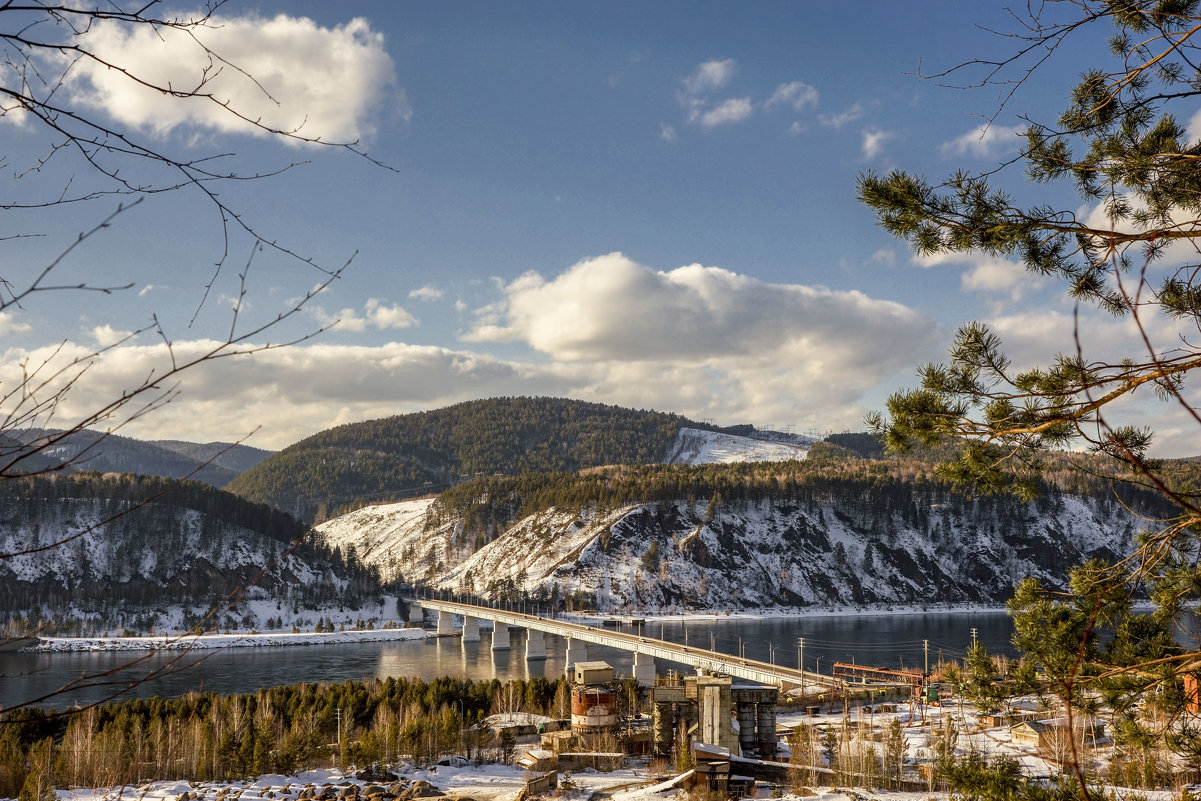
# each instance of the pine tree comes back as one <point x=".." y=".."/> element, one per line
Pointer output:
<point x="1136" y="171"/>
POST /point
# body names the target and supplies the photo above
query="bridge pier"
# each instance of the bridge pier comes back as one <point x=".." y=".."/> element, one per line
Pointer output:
<point x="644" y="669"/>
<point x="535" y="645"/>
<point x="500" y="636"/>
<point x="576" y="652"/>
<point x="471" y="629"/>
<point x="416" y="614"/>
<point x="446" y="622"/>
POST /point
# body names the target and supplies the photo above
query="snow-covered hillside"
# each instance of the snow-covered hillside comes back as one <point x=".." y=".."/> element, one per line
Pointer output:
<point x="697" y="446"/>
<point x="85" y="560"/>
<point x="754" y="553"/>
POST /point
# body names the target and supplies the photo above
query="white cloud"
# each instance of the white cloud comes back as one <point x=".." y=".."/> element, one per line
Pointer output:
<point x="383" y="316"/>
<point x="426" y="293"/>
<point x="106" y="335"/>
<point x="797" y="94"/>
<point x="288" y="72"/>
<point x="702" y="339"/>
<point x="984" y="141"/>
<point x="874" y="140"/>
<point x="9" y="325"/>
<point x="731" y="110"/>
<point x="841" y="118"/>
<point x="709" y="76"/>
<point x="667" y="132"/>
<point x="796" y="129"/>
<point x="147" y="290"/>
<point x="883" y="256"/>
<point x="989" y="274"/>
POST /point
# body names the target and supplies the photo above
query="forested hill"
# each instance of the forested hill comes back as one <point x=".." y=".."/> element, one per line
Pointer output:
<point x="820" y="532"/>
<point x="398" y="457"/>
<point x="89" y="546"/>
<point x="214" y="463"/>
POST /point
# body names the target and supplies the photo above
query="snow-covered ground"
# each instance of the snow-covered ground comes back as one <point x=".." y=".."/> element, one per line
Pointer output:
<point x="696" y="446"/>
<point x="204" y="641"/>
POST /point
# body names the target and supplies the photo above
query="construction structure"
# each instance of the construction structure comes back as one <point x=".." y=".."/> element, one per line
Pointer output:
<point x="704" y="708"/>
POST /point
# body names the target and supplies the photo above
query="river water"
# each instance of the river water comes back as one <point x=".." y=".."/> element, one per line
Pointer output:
<point x="890" y="640"/>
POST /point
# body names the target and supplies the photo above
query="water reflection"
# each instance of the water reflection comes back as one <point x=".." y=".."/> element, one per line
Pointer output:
<point x="884" y="640"/>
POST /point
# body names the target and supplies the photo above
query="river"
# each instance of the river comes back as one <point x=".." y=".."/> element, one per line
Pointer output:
<point x="892" y="640"/>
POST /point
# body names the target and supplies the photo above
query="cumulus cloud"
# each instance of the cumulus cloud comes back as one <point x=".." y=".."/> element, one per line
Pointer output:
<point x="376" y="313"/>
<point x="740" y="342"/>
<point x="838" y="119"/>
<point x="731" y="110"/>
<point x="426" y="293"/>
<point x="797" y="95"/>
<point x="989" y="274"/>
<point x="290" y="392"/>
<point x="709" y="76"/>
<point x="874" y="140"/>
<point x="289" y="73"/>
<point x="9" y="325"/>
<point x="696" y="97"/>
<point x="106" y="335"/>
<point x="384" y="316"/>
<point x="984" y="141"/>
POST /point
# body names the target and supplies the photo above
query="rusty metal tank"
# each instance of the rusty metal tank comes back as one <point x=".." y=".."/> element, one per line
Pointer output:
<point x="593" y="709"/>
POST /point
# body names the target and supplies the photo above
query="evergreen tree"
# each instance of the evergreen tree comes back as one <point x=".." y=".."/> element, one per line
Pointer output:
<point x="1136" y="170"/>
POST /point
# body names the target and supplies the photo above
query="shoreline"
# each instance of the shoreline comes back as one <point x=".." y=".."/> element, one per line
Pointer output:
<point x="182" y="641"/>
<point x="186" y="641"/>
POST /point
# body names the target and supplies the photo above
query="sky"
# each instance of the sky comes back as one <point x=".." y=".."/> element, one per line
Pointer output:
<point x="644" y="204"/>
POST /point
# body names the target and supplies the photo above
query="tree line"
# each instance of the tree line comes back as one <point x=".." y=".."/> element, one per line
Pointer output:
<point x="285" y="729"/>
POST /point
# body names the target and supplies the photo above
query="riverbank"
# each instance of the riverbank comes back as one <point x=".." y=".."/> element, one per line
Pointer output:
<point x="188" y="642"/>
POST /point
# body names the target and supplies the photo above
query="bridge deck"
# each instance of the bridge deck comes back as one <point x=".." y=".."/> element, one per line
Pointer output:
<point x="701" y="658"/>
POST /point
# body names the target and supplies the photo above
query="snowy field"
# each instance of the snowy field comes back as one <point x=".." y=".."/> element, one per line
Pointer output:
<point x="205" y="641"/>
<point x="482" y="783"/>
<point x="696" y="447"/>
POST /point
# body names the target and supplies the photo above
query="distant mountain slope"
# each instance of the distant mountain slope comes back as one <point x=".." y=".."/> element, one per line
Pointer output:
<point x="237" y="458"/>
<point x="700" y="446"/>
<point x="740" y="536"/>
<point x="424" y="452"/>
<point x="214" y="463"/>
<point x="81" y="546"/>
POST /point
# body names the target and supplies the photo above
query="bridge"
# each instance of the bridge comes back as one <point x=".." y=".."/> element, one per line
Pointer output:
<point x="645" y="649"/>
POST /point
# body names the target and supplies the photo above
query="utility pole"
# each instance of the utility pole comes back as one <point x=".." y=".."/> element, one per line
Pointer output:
<point x="926" y="653"/>
<point x="338" y="715"/>
<point x="800" y="661"/>
<point x="973" y="636"/>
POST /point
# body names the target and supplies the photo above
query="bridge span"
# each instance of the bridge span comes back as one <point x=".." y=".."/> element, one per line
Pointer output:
<point x="645" y="649"/>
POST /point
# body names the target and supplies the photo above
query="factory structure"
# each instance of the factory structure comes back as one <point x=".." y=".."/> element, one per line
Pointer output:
<point x="715" y="717"/>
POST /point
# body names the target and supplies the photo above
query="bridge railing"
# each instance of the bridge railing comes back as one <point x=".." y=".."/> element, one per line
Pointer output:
<point x="718" y="661"/>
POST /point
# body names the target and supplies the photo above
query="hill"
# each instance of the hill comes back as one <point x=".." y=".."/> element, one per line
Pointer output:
<point x="421" y="453"/>
<point x="110" y="551"/>
<point x="214" y="463"/>
<point x="747" y="536"/>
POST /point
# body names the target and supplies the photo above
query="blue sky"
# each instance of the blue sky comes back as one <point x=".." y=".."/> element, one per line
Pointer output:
<point x="646" y="204"/>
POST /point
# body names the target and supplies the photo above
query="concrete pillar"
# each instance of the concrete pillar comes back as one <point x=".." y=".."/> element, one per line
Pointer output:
<point x="535" y="646"/>
<point x="663" y="727"/>
<point x="500" y="636"/>
<point x="416" y="614"/>
<point x="765" y="727"/>
<point x="644" y="669"/>
<point x="471" y="629"/>
<point x="746" y="728"/>
<point x="576" y="652"/>
<point x="446" y="623"/>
